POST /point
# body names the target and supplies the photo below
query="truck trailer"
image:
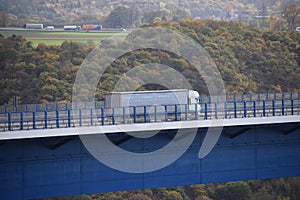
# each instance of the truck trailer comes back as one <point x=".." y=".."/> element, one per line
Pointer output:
<point x="72" y="28"/>
<point x="34" y="26"/>
<point x="92" y="27"/>
<point x="155" y="102"/>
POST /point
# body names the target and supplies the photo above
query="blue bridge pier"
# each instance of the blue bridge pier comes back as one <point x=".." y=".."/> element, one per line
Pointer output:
<point x="53" y="166"/>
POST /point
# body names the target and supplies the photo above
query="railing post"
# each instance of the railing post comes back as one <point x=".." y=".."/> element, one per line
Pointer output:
<point x="205" y="111"/>
<point x="124" y="115"/>
<point x="176" y="112"/>
<point x="155" y="113"/>
<point x="46" y="119"/>
<point x="235" y="111"/>
<point x="69" y="118"/>
<point x="9" y="121"/>
<point x="57" y="118"/>
<point x="166" y="113"/>
<point x="292" y="106"/>
<point x="186" y="111"/>
<point x="282" y="107"/>
<point x="264" y="108"/>
<point x="216" y="110"/>
<point x="254" y="108"/>
<point x="33" y="120"/>
<point x="102" y="116"/>
<point x="91" y="115"/>
<point x="113" y="116"/>
<point x="196" y="111"/>
<point x="245" y="108"/>
<point x="145" y="114"/>
<point x="134" y="114"/>
<point x="80" y="117"/>
<point x="225" y="110"/>
<point x="273" y="107"/>
<point x="21" y="120"/>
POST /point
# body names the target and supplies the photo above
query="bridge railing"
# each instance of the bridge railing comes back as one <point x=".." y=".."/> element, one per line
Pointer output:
<point x="250" y="97"/>
<point x="85" y="116"/>
<point x="229" y="98"/>
<point x="51" y="106"/>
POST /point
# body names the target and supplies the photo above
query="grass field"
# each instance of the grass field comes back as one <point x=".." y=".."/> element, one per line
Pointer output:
<point x="58" y="37"/>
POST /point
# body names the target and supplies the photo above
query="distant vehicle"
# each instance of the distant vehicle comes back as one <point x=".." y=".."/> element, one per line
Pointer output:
<point x="92" y="27"/>
<point x="298" y="29"/>
<point x="34" y="26"/>
<point x="72" y="28"/>
<point x="50" y="28"/>
<point x="186" y="100"/>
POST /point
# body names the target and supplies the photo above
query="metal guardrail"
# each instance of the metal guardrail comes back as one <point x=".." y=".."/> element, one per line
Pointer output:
<point x="51" y="106"/>
<point x="76" y="117"/>
<point x="251" y="97"/>
<point x="229" y="98"/>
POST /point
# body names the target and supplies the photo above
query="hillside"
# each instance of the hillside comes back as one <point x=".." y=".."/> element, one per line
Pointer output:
<point x="59" y="12"/>
<point x="250" y="61"/>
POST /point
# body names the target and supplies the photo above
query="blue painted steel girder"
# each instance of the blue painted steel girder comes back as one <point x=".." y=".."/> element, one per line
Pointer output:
<point x="61" y="166"/>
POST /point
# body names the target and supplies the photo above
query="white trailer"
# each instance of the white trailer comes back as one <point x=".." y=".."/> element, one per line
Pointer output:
<point x="72" y="28"/>
<point x="155" y="101"/>
<point x="34" y="26"/>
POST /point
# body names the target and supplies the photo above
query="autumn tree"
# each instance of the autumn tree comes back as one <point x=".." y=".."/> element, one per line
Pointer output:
<point x="292" y="15"/>
<point x="122" y="17"/>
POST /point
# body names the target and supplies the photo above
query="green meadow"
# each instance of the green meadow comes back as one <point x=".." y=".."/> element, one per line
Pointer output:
<point x="58" y="37"/>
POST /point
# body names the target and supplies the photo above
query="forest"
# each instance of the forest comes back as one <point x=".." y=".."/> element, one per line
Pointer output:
<point x="131" y="14"/>
<point x="273" y="189"/>
<point x="249" y="60"/>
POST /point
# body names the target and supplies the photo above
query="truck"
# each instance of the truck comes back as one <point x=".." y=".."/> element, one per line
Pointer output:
<point x="92" y="27"/>
<point x="50" y="28"/>
<point x="156" y="102"/>
<point x="34" y="26"/>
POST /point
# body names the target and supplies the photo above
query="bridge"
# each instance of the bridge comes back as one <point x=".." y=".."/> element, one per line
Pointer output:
<point x="63" y="149"/>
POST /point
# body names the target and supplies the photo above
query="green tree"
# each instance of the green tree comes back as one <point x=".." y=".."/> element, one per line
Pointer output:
<point x="233" y="191"/>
